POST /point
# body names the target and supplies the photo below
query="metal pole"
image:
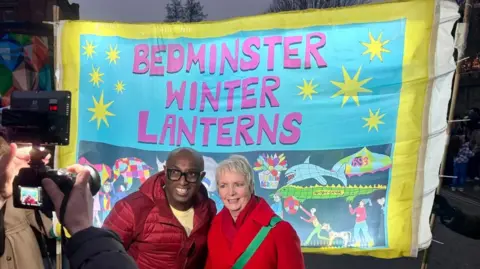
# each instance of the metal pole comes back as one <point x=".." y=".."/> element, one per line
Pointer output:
<point x="56" y="19"/>
<point x="451" y="115"/>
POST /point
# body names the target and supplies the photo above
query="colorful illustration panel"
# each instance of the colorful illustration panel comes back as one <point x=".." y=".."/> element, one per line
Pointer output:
<point x="324" y="109"/>
<point x="25" y="64"/>
<point x="328" y="208"/>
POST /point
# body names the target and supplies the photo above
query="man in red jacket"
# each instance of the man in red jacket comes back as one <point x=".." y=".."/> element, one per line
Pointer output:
<point x="165" y="223"/>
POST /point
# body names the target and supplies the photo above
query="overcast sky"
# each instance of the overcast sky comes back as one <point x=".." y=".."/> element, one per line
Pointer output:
<point x="154" y="10"/>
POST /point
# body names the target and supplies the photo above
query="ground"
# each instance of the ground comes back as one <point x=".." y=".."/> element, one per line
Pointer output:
<point x="450" y="251"/>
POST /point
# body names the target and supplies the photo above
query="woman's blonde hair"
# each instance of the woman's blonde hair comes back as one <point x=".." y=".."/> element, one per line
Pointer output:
<point x="237" y="164"/>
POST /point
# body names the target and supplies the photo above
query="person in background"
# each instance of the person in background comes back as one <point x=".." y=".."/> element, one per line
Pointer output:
<point x="236" y="229"/>
<point x="456" y="220"/>
<point x="165" y="223"/>
<point x="460" y="165"/>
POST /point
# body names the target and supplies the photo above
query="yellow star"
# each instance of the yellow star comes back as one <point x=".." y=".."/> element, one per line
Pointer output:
<point x="100" y="111"/>
<point x="375" y="47"/>
<point x="307" y="89"/>
<point x="96" y="76"/>
<point x="119" y="86"/>
<point x="89" y="49"/>
<point x="350" y="87"/>
<point x="374" y="120"/>
<point x="112" y="54"/>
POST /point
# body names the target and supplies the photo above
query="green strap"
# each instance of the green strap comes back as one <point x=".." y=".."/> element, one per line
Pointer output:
<point x="255" y="244"/>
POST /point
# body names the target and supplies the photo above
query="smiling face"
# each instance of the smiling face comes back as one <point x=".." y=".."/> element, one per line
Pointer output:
<point x="234" y="191"/>
<point x="184" y="175"/>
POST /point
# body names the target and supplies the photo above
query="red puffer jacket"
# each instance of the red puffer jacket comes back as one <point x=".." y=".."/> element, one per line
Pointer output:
<point x="151" y="233"/>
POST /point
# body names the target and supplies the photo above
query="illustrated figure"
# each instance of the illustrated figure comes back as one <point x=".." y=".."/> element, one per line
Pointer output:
<point x="377" y="224"/>
<point x="277" y="205"/>
<point x="361" y="223"/>
<point x="332" y="235"/>
<point x="133" y="170"/>
<point x="317" y="228"/>
<point x="105" y="199"/>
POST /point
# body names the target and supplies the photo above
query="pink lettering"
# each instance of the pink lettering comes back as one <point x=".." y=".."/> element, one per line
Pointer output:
<point x="293" y="130"/>
<point x="175" y="63"/>
<point x="183" y="129"/>
<point x="231" y="86"/>
<point x="157" y="59"/>
<point x="193" y="95"/>
<point x="221" y="131"/>
<point x="173" y="95"/>
<point x="246" y="92"/>
<point x="312" y="49"/>
<point x="263" y="127"/>
<point x="267" y="91"/>
<point x="254" y="56"/>
<point x="198" y="58"/>
<point x="226" y="55"/>
<point x="143" y="137"/>
<point x="288" y="62"/>
<point x="206" y="122"/>
<point x="271" y="42"/>
<point x="168" y="125"/>
<point x="207" y="95"/>
<point x="140" y="59"/>
<point x="242" y="129"/>
<point x="213" y="58"/>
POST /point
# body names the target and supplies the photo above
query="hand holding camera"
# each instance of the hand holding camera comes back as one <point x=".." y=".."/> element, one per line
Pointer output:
<point x="11" y="161"/>
<point x="79" y="208"/>
<point x="43" y="119"/>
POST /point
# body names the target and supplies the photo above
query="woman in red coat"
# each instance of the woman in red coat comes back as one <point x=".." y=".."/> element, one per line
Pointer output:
<point x="231" y="243"/>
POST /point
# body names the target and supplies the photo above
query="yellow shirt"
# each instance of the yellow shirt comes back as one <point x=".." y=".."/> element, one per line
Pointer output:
<point x="185" y="218"/>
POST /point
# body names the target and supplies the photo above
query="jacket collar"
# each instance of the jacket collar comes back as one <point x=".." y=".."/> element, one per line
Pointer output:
<point x="261" y="214"/>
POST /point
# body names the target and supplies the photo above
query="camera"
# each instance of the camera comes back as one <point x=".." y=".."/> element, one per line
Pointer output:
<point x="41" y="119"/>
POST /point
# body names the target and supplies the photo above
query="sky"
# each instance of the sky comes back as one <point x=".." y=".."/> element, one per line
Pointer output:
<point x="154" y="10"/>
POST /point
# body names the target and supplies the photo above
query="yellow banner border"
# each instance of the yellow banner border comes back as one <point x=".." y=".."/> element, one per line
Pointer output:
<point x="419" y="16"/>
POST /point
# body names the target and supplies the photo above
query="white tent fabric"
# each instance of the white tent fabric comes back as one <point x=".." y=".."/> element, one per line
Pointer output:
<point x="437" y="130"/>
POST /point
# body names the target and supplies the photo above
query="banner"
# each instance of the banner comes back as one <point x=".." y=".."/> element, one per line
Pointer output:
<point x="327" y="105"/>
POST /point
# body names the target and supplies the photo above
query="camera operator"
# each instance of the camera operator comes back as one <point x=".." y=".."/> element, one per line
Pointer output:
<point x="19" y="247"/>
<point x="88" y="248"/>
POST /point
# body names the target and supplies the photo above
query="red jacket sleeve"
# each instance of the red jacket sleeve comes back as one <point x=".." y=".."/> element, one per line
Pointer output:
<point x="121" y="220"/>
<point x="289" y="252"/>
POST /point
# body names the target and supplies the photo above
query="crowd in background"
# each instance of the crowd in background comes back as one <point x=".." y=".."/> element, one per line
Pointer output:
<point x="463" y="154"/>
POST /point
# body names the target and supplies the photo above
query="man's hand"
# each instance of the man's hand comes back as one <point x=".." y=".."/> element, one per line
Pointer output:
<point x="79" y="209"/>
<point x="11" y="162"/>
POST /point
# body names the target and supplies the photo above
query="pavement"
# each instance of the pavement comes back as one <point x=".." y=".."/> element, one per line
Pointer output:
<point x="448" y="250"/>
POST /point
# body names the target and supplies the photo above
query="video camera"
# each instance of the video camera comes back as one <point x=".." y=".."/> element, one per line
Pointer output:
<point x="41" y="119"/>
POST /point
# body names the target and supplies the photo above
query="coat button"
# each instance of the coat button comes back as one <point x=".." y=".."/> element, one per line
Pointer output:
<point x="9" y="258"/>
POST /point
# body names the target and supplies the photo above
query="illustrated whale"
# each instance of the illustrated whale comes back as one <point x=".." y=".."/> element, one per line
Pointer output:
<point x="306" y="170"/>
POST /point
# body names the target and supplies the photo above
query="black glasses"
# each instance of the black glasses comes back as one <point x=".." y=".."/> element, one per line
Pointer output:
<point x="175" y="174"/>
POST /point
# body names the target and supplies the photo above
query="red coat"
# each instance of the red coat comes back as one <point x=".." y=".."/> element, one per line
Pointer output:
<point x="280" y="249"/>
<point x="151" y="233"/>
